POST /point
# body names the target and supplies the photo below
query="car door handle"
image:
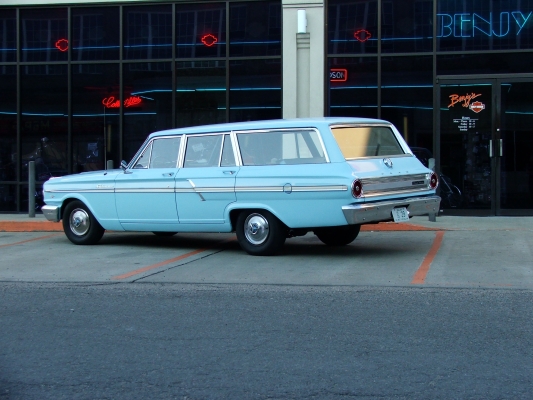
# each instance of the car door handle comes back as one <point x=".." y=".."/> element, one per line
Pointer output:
<point x="168" y="174"/>
<point x="229" y="172"/>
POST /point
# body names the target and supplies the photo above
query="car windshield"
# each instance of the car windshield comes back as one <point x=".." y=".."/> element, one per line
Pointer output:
<point x="366" y="141"/>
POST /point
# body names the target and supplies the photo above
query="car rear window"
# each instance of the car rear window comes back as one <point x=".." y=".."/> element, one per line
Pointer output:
<point x="366" y="141"/>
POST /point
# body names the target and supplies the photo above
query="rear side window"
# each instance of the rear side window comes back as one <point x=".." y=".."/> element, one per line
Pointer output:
<point x="366" y="141"/>
<point x="281" y="147"/>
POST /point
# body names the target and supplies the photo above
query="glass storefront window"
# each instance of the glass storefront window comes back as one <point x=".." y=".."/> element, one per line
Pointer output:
<point x="255" y="28"/>
<point x="201" y="30"/>
<point x="352" y="26"/>
<point x="255" y="90"/>
<point x="8" y="124"/>
<point x="95" y="33"/>
<point x="44" y="34"/>
<point x="465" y="25"/>
<point x="479" y="63"/>
<point x="147" y="32"/>
<point x="8" y="36"/>
<point x="44" y="120"/>
<point x="95" y="116"/>
<point x="407" y="26"/>
<point x="200" y="92"/>
<point x="147" y="102"/>
<point x="353" y="87"/>
<point x="407" y="98"/>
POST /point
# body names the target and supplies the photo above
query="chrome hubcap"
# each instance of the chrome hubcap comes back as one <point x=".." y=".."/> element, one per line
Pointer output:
<point x="256" y="229"/>
<point x="79" y="222"/>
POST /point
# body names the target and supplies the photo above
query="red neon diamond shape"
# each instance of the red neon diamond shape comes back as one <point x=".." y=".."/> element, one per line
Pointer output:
<point x="209" y="40"/>
<point x="62" y="44"/>
<point x="362" y="35"/>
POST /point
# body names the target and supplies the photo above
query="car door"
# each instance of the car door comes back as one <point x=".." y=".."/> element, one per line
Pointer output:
<point x="205" y="185"/>
<point x="144" y="194"/>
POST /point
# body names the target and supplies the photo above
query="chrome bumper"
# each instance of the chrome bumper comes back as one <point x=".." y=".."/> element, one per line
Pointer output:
<point x="382" y="210"/>
<point x="51" y="213"/>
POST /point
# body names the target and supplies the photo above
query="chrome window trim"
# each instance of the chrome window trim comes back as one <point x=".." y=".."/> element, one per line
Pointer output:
<point x="147" y="142"/>
<point x="295" y="129"/>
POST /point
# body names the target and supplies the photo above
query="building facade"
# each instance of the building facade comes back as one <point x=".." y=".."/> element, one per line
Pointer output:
<point x="83" y="83"/>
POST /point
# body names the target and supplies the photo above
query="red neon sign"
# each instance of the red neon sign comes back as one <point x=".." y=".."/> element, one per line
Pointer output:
<point x="209" y="40"/>
<point x="338" y="75"/>
<point x="62" y="45"/>
<point x="362" y="35"/>
<point x="110" y="102"/>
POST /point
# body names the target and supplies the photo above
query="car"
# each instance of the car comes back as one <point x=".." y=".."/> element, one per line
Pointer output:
<point x="264" y="180"/>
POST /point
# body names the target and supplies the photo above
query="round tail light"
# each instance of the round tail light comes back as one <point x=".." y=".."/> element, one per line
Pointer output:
<point x="357" y="188"/>
<point x="433" y="181"/>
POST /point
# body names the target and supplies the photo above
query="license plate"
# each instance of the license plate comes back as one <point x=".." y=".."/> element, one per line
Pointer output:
<point x="400" y="214"/>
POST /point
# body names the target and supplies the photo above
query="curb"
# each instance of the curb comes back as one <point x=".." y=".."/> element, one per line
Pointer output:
<point x="47" y="226"/>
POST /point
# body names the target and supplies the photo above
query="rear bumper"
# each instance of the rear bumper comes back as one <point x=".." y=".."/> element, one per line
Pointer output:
<point x="382" y="210"/>
<point x="51" y="213"/>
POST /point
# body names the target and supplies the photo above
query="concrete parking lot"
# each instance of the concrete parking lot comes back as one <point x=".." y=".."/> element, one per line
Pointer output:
<point x="492" y="252"/>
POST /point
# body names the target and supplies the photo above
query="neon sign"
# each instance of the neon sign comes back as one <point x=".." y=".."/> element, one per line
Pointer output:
<point x="209" y="40"/>
<point x="338" y="75"/>
<point x="466" y="25"/>
<point x="62" y="44"/>
<point x="111" y="102"/>
<point x="466" y="99"/>
<point x="362" y="35"/>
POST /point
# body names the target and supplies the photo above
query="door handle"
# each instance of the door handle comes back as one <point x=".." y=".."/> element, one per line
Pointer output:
<point x="168" y="173"/>
<point x="499" y="150"/>
<point x="500" y="147"/>
<point x="229" y="172"/>
<point x="491" y="153"/>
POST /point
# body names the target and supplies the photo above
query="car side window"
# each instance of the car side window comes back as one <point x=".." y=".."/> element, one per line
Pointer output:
<point x="228" y="156"/>
<point x="203" y="151"/>
<point x="144" y="159"/>
<point x="281" y="147"/>
<point x="165" y="152"/>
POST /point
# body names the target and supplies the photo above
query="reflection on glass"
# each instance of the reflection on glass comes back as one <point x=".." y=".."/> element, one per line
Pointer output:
<point x="255" y="90"/>
<point x="355" y="94"/>
<point x="8" y="36"/>
<point x="95" y="125"/>
<point x="147" y="103"/>
<point x="44" y="34"/>
<point x="200" y="93"/>
<point x="407" y="97"/>
<point x="255" y="28"/>
<point x="95" y="33"/>
<point x="44" y="122"/>
<point x="201" y="30"/>
<point x="352" y="26"/>
<point x="8" y="124"/>
<point x="148" y="32"/>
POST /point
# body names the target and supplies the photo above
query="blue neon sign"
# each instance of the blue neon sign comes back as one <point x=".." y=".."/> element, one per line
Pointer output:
<point x="465" y="25"/>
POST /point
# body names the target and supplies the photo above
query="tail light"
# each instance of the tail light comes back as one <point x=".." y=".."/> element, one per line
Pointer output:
<point x="433" y="181"/>
<point x="357" y="188"/>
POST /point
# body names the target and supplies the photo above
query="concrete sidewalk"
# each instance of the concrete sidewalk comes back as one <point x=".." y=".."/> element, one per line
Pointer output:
<point x="23" y="223"/>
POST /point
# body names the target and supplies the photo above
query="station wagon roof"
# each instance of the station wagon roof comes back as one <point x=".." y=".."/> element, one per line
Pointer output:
<point x="269" y="124"/>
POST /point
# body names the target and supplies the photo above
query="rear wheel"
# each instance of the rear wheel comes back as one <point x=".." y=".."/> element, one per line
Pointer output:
<point x="260" y="233"/>
<point x="338" y="235"/>
<point x="80" y="225"/>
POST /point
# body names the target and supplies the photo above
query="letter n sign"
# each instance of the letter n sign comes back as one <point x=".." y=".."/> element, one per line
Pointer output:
<point x="338" y="75"/>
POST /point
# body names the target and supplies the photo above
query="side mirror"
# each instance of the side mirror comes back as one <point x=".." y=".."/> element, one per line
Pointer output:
<point x="123" y="165"/>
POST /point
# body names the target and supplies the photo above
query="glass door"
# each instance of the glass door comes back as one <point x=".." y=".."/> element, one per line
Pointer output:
<point x="515" y="144"/>
<point x="466" y="138"/>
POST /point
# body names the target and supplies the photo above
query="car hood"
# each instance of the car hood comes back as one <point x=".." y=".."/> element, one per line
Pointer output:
<point x="85" y="180"/>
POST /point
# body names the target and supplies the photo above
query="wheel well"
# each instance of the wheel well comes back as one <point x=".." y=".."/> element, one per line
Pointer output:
<point x="64" y="205"/>
<point x="234" y="214"/>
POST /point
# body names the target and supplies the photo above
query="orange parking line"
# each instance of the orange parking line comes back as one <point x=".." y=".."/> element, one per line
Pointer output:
<point x="420" y="275"/>
<point x="29" y="240"/>
<point x="160" y="264"/>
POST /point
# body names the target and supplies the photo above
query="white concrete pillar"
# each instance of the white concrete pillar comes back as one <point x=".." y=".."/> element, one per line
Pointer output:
<point x="304" y="59"/>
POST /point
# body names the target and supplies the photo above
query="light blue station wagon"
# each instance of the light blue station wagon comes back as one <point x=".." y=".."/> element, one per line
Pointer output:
<point x="265" y="180"/>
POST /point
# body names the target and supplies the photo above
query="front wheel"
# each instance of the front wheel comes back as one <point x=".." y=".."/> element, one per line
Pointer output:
<point x="338" y="235"/>
<point x="80" y="225"/>
<point x="260" y="233"/>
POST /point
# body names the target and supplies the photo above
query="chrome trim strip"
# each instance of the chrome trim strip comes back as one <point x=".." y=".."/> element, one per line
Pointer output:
<point x="367" y="195"/>
<point x="330" y="188"/>
<point x="144" y="190"/>
<point x="398" y="178"/>
<point x="80" y="191"/>
<point x="194" y="188"/>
